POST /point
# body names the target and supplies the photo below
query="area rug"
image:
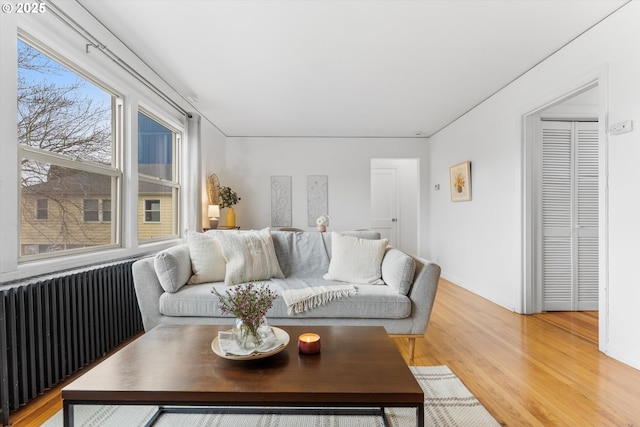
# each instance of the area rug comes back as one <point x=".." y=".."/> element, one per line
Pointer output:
<point x="447" y="403"/>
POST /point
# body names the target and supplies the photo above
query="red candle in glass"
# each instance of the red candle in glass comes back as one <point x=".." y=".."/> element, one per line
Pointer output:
<point x="309" y="343"/>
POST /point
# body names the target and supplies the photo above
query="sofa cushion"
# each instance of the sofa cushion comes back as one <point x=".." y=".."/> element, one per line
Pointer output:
<point x="300" y="254"/>
<point x="363" y="234"/>
<point x="370" y="302"/>
<point x="207" y="262"/>
<point x="356" y="260"/>
<point x="173" y="267"/>
<point x="250" y="256"/>
<point x="397" y="270"/>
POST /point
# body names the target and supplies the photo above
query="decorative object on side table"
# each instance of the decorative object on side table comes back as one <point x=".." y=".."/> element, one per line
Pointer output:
<point x="214" y="215"/>
<point x="249" y="303"/>
<point x="228" y="199"/>
<point x="213" y="185"/>
<point x="322" y="223"/>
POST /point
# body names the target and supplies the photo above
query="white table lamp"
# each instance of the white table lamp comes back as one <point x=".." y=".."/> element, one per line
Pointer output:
<point x="213" y="214"/>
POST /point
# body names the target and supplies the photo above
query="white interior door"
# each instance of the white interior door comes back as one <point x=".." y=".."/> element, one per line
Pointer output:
<point x="384" y="204"/>
<point x="568" y="216"/>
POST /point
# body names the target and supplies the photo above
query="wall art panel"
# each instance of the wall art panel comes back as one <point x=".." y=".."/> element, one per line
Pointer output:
<point x="281" y="201"/>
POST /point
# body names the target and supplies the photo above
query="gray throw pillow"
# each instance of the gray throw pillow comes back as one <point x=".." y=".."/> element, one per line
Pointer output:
<point x="173" y="267"/>
<point x="398" y="270"/>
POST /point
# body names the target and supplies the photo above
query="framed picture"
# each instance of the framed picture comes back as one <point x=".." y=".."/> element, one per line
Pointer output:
<point x="460" y="176"/>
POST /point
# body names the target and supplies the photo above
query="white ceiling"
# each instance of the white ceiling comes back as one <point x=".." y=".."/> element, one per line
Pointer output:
<point x="351" y="68"/>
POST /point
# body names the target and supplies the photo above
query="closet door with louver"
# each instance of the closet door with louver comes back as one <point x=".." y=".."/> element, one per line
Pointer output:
<point x="569" y="216"/>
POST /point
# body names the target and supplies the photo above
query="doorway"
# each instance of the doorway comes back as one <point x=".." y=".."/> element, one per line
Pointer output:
<point x="395" y="202"/>
<point x="385" y="204"/>
<point x="565" y="204"/>
<point x="567" y="215"/>
<point x="596" y="80"/>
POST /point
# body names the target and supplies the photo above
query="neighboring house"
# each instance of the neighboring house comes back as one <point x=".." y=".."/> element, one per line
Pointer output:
<point x="155" y="211"/>
<point x="73" y="209"/>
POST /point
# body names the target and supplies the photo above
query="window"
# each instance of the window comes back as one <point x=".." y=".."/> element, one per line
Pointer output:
<point x="152" y="211"/>
<point x="158" y="184"/>
<point x="91" y="210"/>
<point x="106" y="210"/>
<point x="68" y="167"/>
<point x="73" y="198"/>
<point x="42" y="209"/>
<point x="97" y="210"/>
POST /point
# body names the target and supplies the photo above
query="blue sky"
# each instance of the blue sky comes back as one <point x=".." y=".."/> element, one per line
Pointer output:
<point x="155" y="140"/>
<point x="64" y="77"/>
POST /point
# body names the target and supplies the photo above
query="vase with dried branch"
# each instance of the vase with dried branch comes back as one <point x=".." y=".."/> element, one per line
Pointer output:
<point x="213" y="186"/>
<point x="229" y="198"/>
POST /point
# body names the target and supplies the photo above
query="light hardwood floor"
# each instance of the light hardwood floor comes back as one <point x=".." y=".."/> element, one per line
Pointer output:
<point x="541" y="370"/>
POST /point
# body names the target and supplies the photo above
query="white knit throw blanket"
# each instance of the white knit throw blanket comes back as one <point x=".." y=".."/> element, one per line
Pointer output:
<point x="304" y="299"/>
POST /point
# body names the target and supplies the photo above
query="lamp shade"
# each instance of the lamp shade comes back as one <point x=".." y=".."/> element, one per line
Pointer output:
<point x="214" y="211"/>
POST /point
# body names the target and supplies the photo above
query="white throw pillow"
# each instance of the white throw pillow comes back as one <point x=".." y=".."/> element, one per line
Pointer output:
<point x="356" y="260"/>
<point x="250" y="256"/>
<point x="207" y="262"/>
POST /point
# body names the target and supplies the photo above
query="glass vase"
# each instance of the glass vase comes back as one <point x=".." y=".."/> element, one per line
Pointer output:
<point x="248" y="335"/>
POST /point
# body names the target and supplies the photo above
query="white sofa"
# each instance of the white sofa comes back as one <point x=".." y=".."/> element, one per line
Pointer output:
<point x="173" y="286"/>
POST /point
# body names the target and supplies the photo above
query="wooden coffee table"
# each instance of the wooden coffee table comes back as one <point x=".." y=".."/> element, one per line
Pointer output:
<point x="358" y="367"/>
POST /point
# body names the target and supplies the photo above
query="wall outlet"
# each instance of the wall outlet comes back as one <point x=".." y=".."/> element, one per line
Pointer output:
<point x="437" y="187"/>
<point x="620" y="128"/>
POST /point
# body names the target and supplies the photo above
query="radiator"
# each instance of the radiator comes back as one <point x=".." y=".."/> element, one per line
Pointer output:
<point x="49" y="329"/>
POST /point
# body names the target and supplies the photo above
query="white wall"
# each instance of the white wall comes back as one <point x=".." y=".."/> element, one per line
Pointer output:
<point x="479" y="243"/>
<point x="347" y="162"/>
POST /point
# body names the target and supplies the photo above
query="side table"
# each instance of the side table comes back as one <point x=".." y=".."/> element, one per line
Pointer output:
<point x="222" y="227"/>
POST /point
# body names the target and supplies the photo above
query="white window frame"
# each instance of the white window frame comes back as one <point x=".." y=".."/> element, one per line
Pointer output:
<point x="113" y="171"/>
<point x="61" y="41"/>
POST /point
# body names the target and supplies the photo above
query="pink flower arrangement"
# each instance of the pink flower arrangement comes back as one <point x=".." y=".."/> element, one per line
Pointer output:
<point x="248" y="302"/>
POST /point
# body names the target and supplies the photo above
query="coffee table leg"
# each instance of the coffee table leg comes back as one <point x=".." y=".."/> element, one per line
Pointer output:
<point x="420" y="416"/>
<point x="67" y="414"/>
<point x="155" y="416"/>
<point x="383" y="414"/>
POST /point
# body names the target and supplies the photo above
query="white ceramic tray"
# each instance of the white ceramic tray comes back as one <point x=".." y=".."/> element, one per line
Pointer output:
<point x="281" y="335"/>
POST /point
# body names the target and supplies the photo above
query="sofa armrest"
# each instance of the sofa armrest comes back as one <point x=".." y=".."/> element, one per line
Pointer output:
<point x="148" y="291"/>
<point x="423" y="294"/>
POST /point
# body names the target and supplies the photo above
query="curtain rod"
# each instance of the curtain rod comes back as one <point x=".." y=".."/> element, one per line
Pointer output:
<point x="94" y="42"/>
